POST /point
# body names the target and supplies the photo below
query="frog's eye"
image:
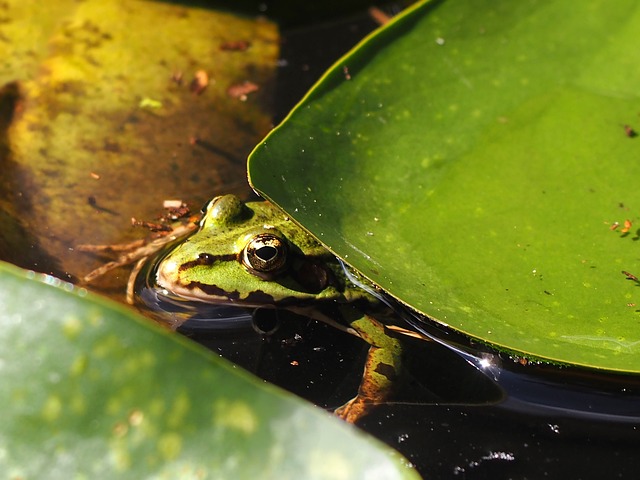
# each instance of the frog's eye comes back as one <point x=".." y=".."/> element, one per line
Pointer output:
<point x="265" y="254"/>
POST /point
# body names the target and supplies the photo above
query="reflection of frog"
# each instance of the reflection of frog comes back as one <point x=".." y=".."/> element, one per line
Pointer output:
<point x="253" y="255"/>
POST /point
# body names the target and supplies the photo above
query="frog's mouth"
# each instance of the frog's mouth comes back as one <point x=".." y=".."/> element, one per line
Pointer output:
<point x="202" y="292"/>
<point x="168" y="278"/>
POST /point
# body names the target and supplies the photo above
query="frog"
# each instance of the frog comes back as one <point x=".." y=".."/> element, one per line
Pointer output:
<point x="252" y="254"/>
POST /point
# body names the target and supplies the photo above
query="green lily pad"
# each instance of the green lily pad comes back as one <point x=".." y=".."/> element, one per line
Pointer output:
<point x="91" y="390"/>
<point x="474" y="162"/>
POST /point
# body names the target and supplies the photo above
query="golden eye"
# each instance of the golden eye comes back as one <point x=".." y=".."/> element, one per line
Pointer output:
<point x="265" y="254"/>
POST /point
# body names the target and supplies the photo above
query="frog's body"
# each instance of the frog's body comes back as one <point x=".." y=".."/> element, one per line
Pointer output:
<point x="251" y="254"/>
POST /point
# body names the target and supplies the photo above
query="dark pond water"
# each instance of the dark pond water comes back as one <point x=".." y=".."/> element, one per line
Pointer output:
<point x="459" y="411"/>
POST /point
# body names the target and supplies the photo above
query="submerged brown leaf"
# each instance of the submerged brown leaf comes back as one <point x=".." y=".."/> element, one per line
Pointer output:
<point x="102" y="133"/>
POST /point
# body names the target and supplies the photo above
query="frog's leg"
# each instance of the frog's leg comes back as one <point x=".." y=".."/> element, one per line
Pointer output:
<point x="381" y="369"/>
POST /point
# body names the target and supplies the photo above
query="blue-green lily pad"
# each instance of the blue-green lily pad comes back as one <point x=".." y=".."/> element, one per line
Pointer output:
<point x="477" y="162"/>
<point x="91" y="390"/>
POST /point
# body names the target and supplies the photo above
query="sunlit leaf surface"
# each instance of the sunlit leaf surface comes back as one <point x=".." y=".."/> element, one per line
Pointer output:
<point x="473" y="160"/>
<point x="116" y="106"/>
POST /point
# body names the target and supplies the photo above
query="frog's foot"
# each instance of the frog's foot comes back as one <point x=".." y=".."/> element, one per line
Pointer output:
<point x="355" y="409"/>
<point x="381" y="369"/>
<point x="379" y="377"/>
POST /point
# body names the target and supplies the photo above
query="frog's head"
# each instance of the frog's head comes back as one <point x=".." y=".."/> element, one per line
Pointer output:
<point x="250" y="254"/>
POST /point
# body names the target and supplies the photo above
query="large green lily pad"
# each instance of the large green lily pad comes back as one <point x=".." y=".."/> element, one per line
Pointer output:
<point x="473" y="160"/>
<point x="90" y="390"/>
